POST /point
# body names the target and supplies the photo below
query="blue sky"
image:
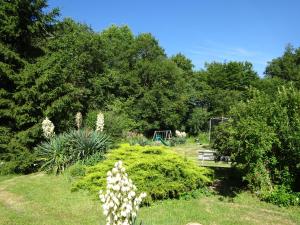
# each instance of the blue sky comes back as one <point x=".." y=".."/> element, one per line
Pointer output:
<point x="203" y="30"/>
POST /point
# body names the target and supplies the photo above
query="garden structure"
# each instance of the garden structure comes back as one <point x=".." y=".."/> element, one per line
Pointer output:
<point x="162" y="136"/>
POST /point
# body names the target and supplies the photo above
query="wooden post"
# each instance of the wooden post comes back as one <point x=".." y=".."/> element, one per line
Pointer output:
<point x="209" y="130"/>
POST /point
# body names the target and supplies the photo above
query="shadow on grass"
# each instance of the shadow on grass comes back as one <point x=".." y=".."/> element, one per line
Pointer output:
<point x="227" y="181"/>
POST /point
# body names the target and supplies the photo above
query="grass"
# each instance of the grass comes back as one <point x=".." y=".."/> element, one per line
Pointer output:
<point x="45" y="199"/>
<point x="190" y="151"/>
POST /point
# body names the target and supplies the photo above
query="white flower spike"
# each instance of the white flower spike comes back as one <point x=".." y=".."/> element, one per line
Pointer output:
<point x="48" y="128"/>
<point x="78" y="120"/>
<point x="120" y="202"/>
<point x="100" y="122"/>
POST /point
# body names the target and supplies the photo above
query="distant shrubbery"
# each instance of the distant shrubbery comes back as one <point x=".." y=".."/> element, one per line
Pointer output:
<point x="263" y="139"/>
<point x="157" y="170"/>
<point x="138" y="139"/>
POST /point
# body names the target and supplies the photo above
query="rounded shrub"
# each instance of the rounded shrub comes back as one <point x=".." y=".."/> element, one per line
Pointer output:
<point x="156" y="170"/>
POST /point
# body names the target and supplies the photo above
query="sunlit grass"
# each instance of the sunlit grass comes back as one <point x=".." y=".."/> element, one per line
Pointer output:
<point x="42" y="199"/>
<point x="190" y="151"/>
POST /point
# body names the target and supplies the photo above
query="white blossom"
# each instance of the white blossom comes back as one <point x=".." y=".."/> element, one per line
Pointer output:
<point x="78" y="120"/>
<point x="120" y="202"/>
<point x="180" y="134"/>
<point x="48" y="128"/>
<point x="100" y="122"/>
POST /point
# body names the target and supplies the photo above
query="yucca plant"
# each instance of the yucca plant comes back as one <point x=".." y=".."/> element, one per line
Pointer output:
<point x="86" y="143"/>
<point x="54" y="154"/>
<point x="61" y="151"/>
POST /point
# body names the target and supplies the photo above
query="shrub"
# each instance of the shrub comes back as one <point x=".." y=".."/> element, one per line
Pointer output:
<point x="138" y="139"/>
<point x="55" y="154"/>
<point x="66" y="149"/>
<point x="154" y="169"/>
<point x="116" y="123"/>
<point x="85" y="143"/>
<point x="23" y="162"/>
<point x="263" y="138"/>
<point x="90" y="119"/>
<point x="177" y="141"/>
<point x="198" y="121"/>
<point x="282" y="196"/>
<point x="77" y="170"/>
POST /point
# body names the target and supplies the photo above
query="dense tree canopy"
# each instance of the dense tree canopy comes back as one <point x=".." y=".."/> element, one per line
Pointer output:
<point x="23" y="27"/>
<point x="57" y="68"/>
<point x="286" y="67"/>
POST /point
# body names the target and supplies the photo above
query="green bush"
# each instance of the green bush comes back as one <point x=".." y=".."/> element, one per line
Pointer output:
<point x="85" y="143"/>
<point x="116" y="123"/>
<point x="177" y="141"/>
<point x="22" y="162"/>
<point x="77" y="170"/>
<point x="282" y="196"/>
<point x="63" y="150"/>
<point x="262" y="138"/>
<point x="156" y="170"/>
<point x="203" y="138"/>
<point x="139" y="139"/>
<point x="55" y="154"/>
<point x="90" y="119"/>
<point x="198" y="121"/>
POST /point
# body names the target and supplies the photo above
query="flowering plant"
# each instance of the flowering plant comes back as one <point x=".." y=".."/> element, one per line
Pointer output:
<point x="48" y="128"/>
<point x="120" y="202"/>
<point x="78" y="120"/>
<point x="180" y="134"/>
<point x="100" y="122"/>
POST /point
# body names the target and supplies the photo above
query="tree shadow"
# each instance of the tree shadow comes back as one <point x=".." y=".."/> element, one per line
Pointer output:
<point x="227" y="182"/>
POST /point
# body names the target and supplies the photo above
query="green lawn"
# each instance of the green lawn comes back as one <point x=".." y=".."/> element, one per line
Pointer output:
<point x="190" y="150"/>
<point x="40" y="199"/>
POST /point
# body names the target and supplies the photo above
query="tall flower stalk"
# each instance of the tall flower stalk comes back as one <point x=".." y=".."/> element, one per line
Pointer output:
<point x="100" y="122"/>
<point x="48" y="128"/>
<point x="78" y="120"/>
<point x="120" y="202"/>
<point x="180" y="134"/>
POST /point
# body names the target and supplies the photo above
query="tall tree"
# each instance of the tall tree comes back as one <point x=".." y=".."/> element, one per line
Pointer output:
<point x="286" y="67"/>
<point x="58" y="84"/>
<point x="183" y="62"/>
<point x="228" y="82"/>
<point x="23" y="27"/>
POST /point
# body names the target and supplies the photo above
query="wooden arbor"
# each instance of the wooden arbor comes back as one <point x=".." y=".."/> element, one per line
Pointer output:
<point x="162" y="135"/>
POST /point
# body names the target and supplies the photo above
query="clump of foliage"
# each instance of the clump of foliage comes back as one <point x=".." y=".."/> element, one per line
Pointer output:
<point x="282" y="196"/>
<point x="138" y="139"/>
<point x="117" y="122"/>
<point x="177" y="141"/>
<point x="263" y="139"/>
<point x="198" y="121"/>
<point x="286" y="67"/>
<point x="156" y="170"/>
<point x="63" y="150"/>
<point x="76" y="170"/>
<point x="180" y="138"/>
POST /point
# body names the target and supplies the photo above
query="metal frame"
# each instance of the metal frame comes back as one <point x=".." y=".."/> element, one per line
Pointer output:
<point x="164" y="134"/>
